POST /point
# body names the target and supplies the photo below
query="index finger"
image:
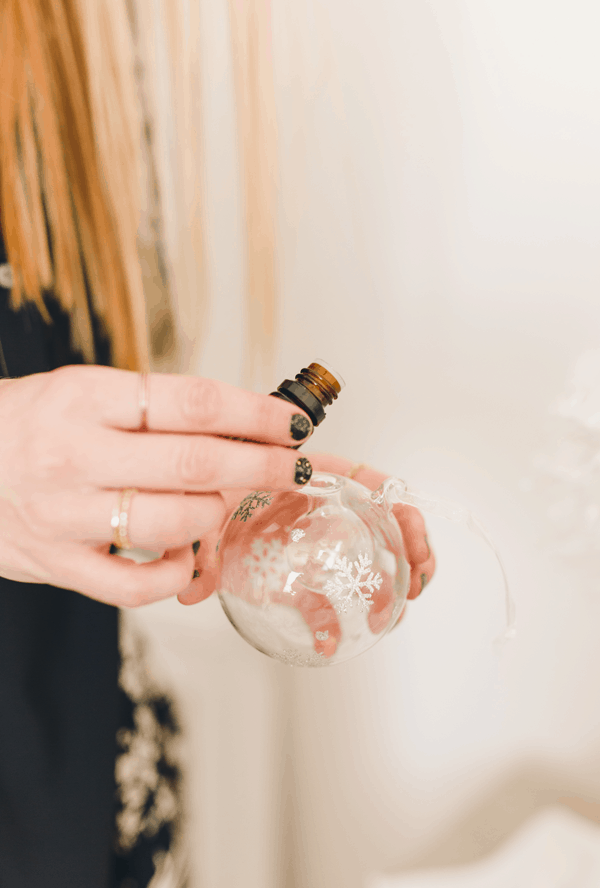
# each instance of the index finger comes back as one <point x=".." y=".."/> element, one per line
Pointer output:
<point x="193" y="404"/>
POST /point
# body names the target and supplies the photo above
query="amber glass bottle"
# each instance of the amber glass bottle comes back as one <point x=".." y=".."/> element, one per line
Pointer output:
<point x="314" y="388"/>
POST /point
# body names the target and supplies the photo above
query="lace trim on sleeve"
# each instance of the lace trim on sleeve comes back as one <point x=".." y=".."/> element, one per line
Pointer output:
<point x="148" y="841"/>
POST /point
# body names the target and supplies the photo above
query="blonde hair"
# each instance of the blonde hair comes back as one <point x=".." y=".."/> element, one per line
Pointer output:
<point x="255" y="94"/>
<point x="70" y="169"/>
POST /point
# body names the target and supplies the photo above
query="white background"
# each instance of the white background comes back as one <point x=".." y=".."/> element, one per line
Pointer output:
<point x="439" y="218"/>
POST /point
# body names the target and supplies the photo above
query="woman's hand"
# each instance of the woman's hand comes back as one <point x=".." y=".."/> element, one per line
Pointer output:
<point x="69" y="444"/>
<point x="412" y="525"/>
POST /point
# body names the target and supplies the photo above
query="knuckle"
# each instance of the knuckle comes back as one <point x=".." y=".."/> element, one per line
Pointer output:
<point x="39" y="517"/>
<point x="421" y="555"/>
<point x="51" y="459"/>
<point x="66" y="384"/>
<point x="197" y="464"/>
<point x="267" y="412"/>
<point x="202" y="402"/>
<point x="415" y="519"/>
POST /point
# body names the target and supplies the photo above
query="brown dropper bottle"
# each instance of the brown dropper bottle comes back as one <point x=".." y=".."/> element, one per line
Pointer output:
<point x="314" y="388"/>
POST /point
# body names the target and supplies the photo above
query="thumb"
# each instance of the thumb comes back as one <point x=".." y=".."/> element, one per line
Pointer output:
<point x="206" y="573"/>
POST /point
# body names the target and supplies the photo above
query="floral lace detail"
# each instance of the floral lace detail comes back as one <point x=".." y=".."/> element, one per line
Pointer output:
<point x="148" y="777"/>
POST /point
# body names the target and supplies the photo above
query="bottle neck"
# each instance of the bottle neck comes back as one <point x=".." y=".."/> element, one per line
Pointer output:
<point x="313" y="389"/>
<point x="323" y="385"/>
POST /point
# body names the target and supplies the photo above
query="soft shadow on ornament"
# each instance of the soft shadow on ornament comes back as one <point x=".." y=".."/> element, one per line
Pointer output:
<point x="317" y="575"/>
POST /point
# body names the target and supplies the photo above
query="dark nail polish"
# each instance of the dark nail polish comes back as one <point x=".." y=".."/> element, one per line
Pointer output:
<point x="300" y="426"/>
<point x="423" y="581"/>
<point x="303" y="471"/>
<point x="195" y="547"/>
<point x="196" y="574"/>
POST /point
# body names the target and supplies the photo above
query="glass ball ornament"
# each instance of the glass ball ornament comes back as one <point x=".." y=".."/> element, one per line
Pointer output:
<point x="315" y="575"/>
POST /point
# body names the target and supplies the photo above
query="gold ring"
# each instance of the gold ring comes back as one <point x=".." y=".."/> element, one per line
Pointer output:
<point x="144" y="380"/>
<point x="120" y="519"/>
<point x="355" y="469"/>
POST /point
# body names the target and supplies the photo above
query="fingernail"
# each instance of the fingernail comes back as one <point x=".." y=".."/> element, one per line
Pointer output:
<point x="195" y="547"/>
<point x="196" y="574"/>
<point x="303" y="471"/>
<point x="300" y="426"/>
<point x="423" y="581"/>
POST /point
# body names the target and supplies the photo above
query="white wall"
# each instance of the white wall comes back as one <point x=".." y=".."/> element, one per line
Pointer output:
<point x="439" y="222"/>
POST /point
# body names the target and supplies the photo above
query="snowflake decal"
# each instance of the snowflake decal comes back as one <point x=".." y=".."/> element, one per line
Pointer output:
<point x="341" y="589"/>
<point x="322" y="636"/>
<point x="250" y="503"/>
<point x="264" y="564"/>
<point x="297" y="535"/>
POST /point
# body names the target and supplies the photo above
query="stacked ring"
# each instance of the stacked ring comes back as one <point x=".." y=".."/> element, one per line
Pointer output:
<point x="120" y="519"/>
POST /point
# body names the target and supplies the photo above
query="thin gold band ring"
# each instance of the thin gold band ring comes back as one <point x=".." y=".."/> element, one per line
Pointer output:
<point x="120" y="519"/>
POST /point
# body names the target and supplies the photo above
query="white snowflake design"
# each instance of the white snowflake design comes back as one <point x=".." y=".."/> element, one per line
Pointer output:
<point x="264" y="564"/>
<point x="341" y="589"/>
<point x="250" y="503"/>
<point x="297" y="535"/>
<point x="322" y="636"/>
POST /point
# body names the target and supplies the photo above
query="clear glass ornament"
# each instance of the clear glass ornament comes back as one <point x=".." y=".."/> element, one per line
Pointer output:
<point x="316" y="575"/>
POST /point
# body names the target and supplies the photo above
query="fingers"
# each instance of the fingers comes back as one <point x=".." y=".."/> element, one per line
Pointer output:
<point x="382" y="606"/>
<point x="187" y="404"/>
<point x="155" y="521"/>
<point x="206" y="564"/>
<point x="200" y="588"/>
<point x="339" y="465"/>
<point x="414" y="533"/>
<point x="121" y="582"/>
<point x="420" y="575"/>
<point x="412" y="524"/>
<point x="195" y="463"/>
<point x="418" y="551"/>
<point x="321" y="619"/>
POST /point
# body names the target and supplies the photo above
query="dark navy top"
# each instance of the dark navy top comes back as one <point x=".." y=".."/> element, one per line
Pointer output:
<point x="59" y="698"/>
